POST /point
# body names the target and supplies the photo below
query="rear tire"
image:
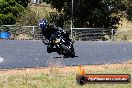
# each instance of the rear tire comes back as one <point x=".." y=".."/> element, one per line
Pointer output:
<point x="48" y="50"/>
<point x="67" y="51"/>
<point x="58" y="51"/>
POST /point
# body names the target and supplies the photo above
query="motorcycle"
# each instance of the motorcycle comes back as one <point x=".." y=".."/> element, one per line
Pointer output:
<point x="63" y="46"/>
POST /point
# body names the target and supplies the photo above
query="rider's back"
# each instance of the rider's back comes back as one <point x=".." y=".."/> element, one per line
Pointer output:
<point x="51" y="29"/>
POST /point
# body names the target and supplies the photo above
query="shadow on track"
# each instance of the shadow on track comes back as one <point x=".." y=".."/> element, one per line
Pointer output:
<point x="64" y="57"/>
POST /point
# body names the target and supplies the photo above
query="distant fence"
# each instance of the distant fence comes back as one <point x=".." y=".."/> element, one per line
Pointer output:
<point x="92" y="34"/>
<point x="22" y="32"/>
<point x="34" y="33"/>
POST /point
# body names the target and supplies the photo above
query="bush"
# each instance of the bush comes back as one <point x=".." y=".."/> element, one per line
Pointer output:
<point x="9" y="11"/>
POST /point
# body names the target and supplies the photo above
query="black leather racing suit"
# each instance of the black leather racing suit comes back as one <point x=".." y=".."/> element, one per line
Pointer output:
<point x="47" y="33"/>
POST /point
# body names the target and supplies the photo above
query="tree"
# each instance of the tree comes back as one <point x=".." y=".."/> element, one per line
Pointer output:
<point x="24" y="3"/>
<point x="128" y="5"/>
<point x="27" y="18"/>
<point x="92" y="13"/>
<point x="9" y="11"/>
<point x="58" y="4"/>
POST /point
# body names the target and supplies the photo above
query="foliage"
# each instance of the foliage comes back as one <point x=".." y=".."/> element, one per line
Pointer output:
<point x="58" y="4"/>
<point x="28" y="17"/>
<point x="24" y="3"/>
<point x="92" y="13"/>
<point x="51" y="17"/>
<point x="9" y="11"/>
<point x="55" y="18"/>
<point x="129" y="10"/>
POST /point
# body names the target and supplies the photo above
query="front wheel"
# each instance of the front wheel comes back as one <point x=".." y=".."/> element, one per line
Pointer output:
<point x="45" y="41"/>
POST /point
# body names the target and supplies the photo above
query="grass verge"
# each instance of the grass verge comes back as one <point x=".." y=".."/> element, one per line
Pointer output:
<point x="60" y="77"/>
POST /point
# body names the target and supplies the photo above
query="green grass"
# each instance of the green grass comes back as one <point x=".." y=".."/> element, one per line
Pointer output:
<point x="59" y="80"/>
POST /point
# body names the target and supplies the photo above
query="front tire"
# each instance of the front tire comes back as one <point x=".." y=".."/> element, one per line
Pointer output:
<point x="44" y="40"/>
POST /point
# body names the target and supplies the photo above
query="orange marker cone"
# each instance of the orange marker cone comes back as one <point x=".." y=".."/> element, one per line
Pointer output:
<point x="81" y="71"/>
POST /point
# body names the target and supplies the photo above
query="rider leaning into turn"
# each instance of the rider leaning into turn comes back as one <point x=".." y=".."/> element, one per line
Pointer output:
<point x="48" y="30"/>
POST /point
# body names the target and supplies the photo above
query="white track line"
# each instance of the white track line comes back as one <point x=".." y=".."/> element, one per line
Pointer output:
<point x="1" y="59"/>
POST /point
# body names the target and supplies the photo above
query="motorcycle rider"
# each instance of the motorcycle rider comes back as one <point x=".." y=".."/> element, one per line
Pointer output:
<point x="48" y="31"/>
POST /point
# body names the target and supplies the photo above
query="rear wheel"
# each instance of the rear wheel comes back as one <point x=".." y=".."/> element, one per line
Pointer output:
<point x="72" y="48"/>
<point x="49" y="49"/>
<point x="67" y="51"/>
<point x="58" y="51"/>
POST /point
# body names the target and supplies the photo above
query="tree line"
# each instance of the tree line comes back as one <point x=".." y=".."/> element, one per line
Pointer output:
<point x="10" y="10"/>
<point x="86" y="13"/>
<point x="93" y="13"/>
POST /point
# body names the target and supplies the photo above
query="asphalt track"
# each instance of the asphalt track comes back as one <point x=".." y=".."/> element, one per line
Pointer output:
<point x="24" y="53"/>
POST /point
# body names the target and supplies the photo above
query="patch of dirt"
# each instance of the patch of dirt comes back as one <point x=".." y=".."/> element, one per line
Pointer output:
<point x="23" y="37"/>
<point x="124" y="30"/>
<point x="125" y="25"/>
